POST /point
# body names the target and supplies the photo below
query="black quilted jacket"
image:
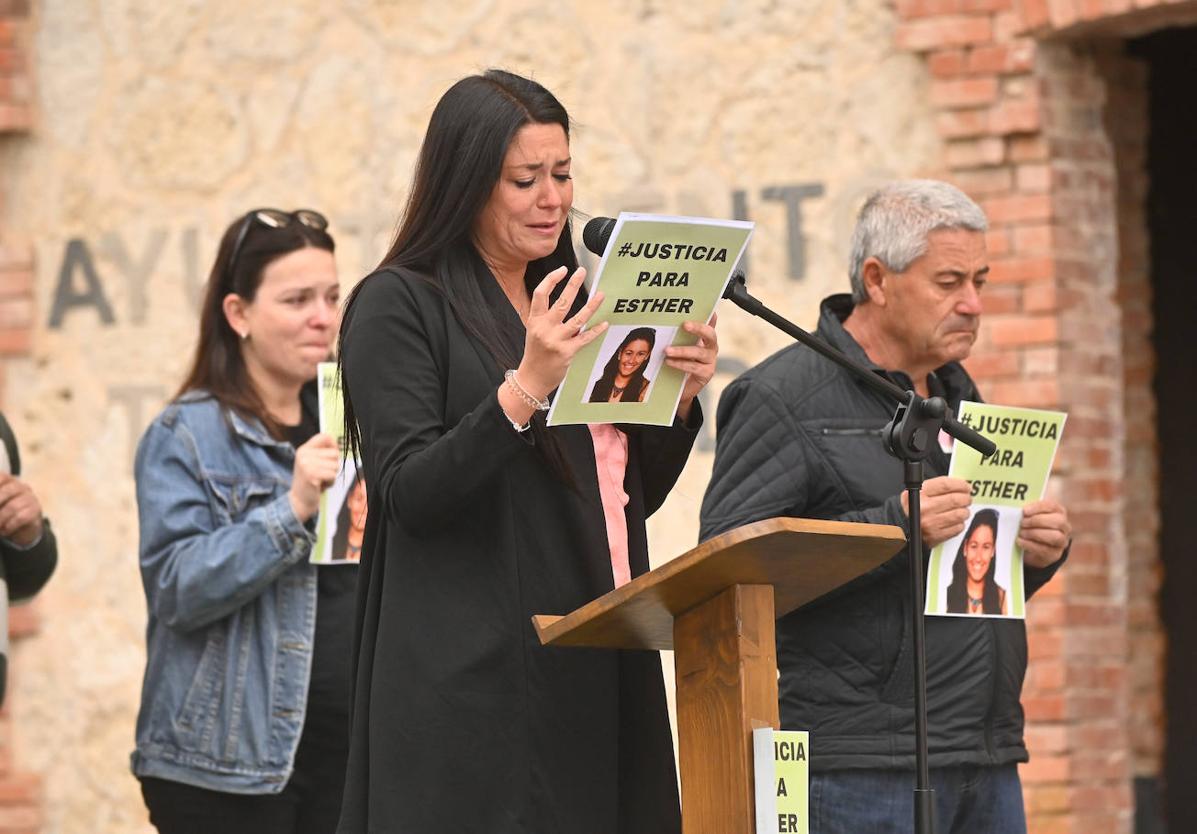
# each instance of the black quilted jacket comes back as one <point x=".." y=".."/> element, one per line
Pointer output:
<point x="797" y="436"/>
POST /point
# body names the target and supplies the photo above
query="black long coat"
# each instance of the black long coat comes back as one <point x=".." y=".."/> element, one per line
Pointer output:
<point x="461" y="720"/>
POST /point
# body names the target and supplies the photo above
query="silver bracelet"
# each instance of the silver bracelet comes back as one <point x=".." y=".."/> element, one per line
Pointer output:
<point x="514" y="384"/>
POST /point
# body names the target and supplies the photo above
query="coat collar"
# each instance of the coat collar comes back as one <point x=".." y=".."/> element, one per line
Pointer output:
<point x="252" y="429"/>
<point x="954" y="381"/>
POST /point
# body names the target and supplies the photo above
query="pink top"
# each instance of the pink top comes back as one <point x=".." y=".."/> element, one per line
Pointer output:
<point x="611" y="461"/>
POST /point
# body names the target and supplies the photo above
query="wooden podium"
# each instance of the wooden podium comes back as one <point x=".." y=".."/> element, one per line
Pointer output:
<point x="715" y="606"/>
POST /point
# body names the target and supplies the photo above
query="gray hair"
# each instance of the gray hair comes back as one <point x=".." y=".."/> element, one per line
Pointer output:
<point x="895" y="221"/>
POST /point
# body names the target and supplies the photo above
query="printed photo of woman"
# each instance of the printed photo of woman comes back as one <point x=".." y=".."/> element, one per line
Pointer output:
<point x="623" y="378"/>
<point x="351" y="523"/>
<point x="974" y="589"/>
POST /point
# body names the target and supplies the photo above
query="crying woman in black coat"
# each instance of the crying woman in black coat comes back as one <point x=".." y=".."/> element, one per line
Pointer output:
<point x="480" y="516"/>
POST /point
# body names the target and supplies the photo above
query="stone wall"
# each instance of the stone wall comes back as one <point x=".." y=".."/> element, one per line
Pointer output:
<point x="157" y="123"/>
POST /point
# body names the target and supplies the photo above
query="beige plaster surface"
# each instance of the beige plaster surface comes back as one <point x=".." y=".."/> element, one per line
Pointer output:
<point x="157" y="123"/>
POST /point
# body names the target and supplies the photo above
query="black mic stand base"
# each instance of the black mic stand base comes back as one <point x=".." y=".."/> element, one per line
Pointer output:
<point x="924" y="795"/>
<point x="910" y="436"/>
<point x="924" y="811"/>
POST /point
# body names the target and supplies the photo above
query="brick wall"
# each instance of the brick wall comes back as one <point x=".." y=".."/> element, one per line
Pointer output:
<point x="1044" y="122"/>
<point x="1126" y="123"/>
<point x="16" y="116"/>
<point x="15" y="89"/>
<point x="1092" y="629"/>
<point x="20" y="793"/>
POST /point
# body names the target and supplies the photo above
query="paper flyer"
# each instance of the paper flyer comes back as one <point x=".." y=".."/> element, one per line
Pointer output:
<point x="341" y="522"/>
<point x="781" y="774"/>
<point x="979" y="573"/>
<point x="657" y="273"/>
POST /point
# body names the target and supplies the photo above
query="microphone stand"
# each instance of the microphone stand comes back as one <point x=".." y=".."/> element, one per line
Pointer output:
<point x="909" y="437"/>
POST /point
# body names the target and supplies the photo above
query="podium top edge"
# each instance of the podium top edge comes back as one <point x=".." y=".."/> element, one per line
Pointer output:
<point x="551" y="629"/>
<point x="817" y="526"/>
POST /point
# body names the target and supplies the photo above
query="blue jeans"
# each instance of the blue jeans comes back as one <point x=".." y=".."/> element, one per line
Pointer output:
<point x="969" y="799"/>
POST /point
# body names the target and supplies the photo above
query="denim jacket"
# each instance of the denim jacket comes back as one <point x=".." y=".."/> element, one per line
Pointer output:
<point x="232" y="602"/>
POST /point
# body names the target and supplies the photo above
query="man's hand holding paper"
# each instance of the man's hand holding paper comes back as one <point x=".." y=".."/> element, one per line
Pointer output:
<point x="1044" y="532"/>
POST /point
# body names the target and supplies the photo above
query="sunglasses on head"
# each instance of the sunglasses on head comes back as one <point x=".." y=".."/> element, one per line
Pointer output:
<point x="272" y="219"/>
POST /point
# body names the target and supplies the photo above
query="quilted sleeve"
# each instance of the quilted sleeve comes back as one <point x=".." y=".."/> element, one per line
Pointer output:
<point x="760" y="461"/>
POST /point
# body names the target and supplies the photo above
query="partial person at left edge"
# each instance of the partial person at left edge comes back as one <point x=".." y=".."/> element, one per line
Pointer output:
<point x="28" y="550"/>
<point x="243" y="726"/>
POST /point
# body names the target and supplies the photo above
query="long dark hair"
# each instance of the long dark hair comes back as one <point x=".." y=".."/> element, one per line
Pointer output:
<point x="218" y="366"/>
<point x="459" y="164"/>
<point x="958" y="589"/>
<point x="631" y="392"/>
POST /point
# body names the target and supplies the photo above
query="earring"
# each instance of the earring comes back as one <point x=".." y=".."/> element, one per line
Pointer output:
<point x="244" y="335"/>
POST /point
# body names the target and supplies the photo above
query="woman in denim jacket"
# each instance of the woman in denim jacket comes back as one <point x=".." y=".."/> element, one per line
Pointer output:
<point x="242" y="726"/>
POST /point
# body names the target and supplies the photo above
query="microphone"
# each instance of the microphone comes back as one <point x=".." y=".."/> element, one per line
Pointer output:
<point x="596" y="234"/>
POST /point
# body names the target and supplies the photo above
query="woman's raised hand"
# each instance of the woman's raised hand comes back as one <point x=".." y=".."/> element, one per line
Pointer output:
<point x="553" y="339"/>
<point x="317" y="463"/>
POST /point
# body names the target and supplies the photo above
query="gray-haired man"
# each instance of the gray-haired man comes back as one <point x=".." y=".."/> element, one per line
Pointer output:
<point x="798" y="436"/>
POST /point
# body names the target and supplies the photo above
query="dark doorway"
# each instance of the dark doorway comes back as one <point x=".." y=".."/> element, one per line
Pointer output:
<point x="1172" y="221"/>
